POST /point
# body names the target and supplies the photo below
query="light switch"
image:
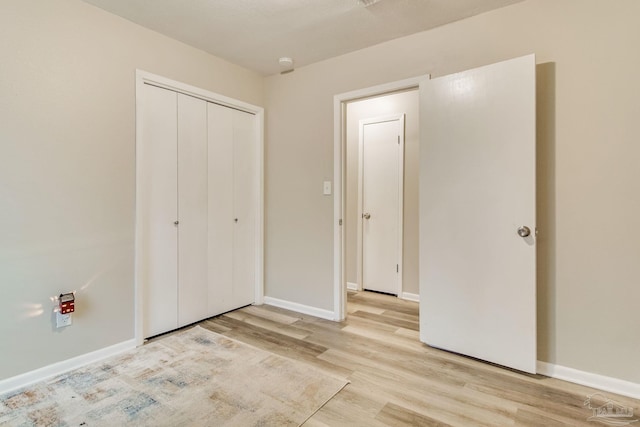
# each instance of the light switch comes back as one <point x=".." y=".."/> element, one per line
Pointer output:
<point x="327" y="188"/>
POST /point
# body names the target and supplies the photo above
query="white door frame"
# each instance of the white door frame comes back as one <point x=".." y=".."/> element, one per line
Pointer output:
<point x="339" y="174"/>
<point x="142" y="78"/>
<point x="360" y="233"/>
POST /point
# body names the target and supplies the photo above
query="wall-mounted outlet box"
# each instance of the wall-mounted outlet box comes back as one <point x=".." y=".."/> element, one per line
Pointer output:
<point x="62" y="320"/>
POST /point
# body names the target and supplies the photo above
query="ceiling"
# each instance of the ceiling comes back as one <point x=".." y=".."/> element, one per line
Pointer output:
<point x="255" y="33"/>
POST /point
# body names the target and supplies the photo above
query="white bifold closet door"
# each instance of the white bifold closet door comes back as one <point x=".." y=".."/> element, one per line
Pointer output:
<point x="232" y="206"/>
<point x="198" y="192"/>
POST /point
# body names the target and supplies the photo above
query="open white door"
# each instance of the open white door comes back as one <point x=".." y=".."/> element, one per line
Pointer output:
<point x="477" y="197"/>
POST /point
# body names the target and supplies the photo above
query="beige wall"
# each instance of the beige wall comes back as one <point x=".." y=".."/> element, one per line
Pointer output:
<point x="589" y="179"/>
<point x="397" y="103"/>
<point x="67" y="169"/>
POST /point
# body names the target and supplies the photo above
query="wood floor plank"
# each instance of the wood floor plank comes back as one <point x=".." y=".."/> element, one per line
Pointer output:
<point x="394" y="415"/>
<point x="264" y="312"/>
<point x="267" y="337"/>
<point x="536" y="417"/>
<point x="407" y="324"/>
<point x="256" y="320"/>
<point x="389" y="338"/>
<point x="363" y="307"/>
<point x="401" y="316"/>
<point x="408" y="333"/>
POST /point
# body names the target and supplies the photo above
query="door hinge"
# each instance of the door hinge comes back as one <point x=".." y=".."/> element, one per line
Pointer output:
<point x="398" y="139"/>
<point x="340" y="222"/>
<point x="397" y="268"/>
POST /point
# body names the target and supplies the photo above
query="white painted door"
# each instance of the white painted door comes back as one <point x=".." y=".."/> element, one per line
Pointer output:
<point x="382" y="142"/>
<point x="477" y="189"/>
<point x="158" y="192"/>
<point x="192" y="210"/>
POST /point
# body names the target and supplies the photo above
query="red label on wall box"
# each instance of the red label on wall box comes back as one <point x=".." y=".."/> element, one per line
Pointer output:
<point x="67" y="307"/>
<point x="67" y="303"/>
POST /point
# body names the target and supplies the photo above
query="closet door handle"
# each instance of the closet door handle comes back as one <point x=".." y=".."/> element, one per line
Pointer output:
<point x="176" y="222"/>
<point x="235" y="220"/>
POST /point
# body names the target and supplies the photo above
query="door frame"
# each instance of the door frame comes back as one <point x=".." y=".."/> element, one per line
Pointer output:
<point x="360" y="223"/>
<point x="339" y="179"/>
<point x="144" y="77"/>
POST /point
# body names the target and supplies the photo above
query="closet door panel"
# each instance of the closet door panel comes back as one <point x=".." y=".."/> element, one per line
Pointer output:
<point x="158" y="191"/>
<point x="244" y="205"/>
<point x="221" y="219"/>
<point x="192" y="210"/>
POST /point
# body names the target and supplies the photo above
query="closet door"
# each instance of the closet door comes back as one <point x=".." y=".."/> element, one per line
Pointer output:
<point x="192" y="210"/>
<point x="232" y="208"/>
<point x="158" y="192"/>
<point x="220" y="212"/>
<point x="244" y="207"/>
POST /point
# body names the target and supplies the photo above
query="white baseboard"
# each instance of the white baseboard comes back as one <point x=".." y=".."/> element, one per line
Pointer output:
<point x="352" y="286"/>
<point x="300" y="308"/>
<point x="58" y="368"/>
<point x="410" y="297"/>
<point x="601" y="382"/>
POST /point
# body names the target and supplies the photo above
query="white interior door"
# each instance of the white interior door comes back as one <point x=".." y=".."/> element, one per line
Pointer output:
<point x="382" y="142"/>
<point x="477" y="189"/>
<point x="192" y="210"/>
<point x="159" y="210"/>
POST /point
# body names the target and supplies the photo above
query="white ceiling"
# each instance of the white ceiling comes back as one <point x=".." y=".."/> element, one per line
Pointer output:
<point x="255" y="33"/>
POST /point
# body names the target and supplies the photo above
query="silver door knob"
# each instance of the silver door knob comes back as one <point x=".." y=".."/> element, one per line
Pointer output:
<point x="366" y="216"/>
<point x="524" y="231"/>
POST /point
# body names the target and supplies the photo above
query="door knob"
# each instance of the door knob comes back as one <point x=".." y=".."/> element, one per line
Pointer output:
<point x="366" y="216"/>
<point x="524" y="231"/>
<point x="176" y="222"/>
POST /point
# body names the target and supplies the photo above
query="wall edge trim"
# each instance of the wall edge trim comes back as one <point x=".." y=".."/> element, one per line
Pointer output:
<point x="601" y="382"/>
<point x="410" y="297"/>
<point x="300" y="308"/>
<point x="49" y="371"/>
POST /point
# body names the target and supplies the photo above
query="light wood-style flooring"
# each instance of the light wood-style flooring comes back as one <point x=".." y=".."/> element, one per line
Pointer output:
<point x="398" y="381"/>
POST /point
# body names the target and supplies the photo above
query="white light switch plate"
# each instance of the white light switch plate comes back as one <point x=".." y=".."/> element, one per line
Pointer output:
<point x="327" y="188"/>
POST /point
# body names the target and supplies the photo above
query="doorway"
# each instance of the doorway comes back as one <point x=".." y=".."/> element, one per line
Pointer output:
<point x="382" y="101"/>
<point x="477" y="211"/>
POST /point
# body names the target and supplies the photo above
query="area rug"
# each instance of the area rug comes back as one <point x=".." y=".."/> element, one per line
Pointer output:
<point x="191" y="378"/>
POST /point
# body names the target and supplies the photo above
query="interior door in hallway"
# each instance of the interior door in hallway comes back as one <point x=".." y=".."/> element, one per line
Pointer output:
<point x="382" y="147"/>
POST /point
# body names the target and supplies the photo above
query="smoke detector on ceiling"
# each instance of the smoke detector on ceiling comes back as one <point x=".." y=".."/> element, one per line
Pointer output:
<point x="367" y="3"/>
<point x="286" y="65"/>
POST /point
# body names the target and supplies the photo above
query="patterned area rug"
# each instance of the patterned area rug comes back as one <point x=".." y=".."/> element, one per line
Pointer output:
<point x="192" y="378"/>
